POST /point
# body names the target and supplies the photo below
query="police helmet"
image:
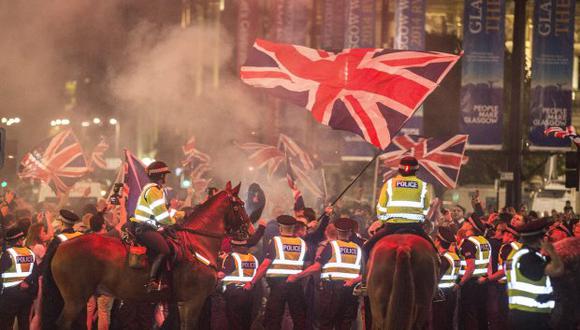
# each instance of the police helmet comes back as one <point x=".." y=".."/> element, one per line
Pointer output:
<point x="157" y="168"/>
<point x="408" y="164"/>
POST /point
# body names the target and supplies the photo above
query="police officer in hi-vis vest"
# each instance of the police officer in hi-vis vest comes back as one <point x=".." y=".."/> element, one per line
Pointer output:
<point x="475" y="253"/>
<point x="403" y="204"/>
<point x="528" y="273"/>
<point x="445" y="306"/>
<point x="284" y="257"/>
<point x="18" y="289"/>
<point x="238" y="268"/>
<point x="340" y="265"/>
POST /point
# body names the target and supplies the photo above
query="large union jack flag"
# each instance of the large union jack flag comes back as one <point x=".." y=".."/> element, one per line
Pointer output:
<point x="370" y="92"/>
<point x="59" y="162"/>
<point x="191" y="153"/>
<point x="439" y="160"/>
<point x="98" y="154"/>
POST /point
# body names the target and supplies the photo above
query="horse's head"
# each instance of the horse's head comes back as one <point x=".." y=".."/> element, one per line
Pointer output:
<point x="236" y="219"/>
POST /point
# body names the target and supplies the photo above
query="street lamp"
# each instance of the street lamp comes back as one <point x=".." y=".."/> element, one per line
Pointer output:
<point x="85" y="124"/>
<point x="113" y="121"/>
<point x="96" y="120"/>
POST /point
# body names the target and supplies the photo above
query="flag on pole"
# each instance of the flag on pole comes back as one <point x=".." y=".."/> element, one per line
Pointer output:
<point x="296" y="193"/>
<point x="58" y="162"/>
<point x="264" y="156"/>
<point x="369" y="92"/>
<point x="135" y="179"/>
<point x="439" y="160"/>
<point x="98" y="154"/>
<point x="191" y="153"/>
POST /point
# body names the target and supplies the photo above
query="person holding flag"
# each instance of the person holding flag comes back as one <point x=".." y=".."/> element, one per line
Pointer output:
<point x="152" y="214"/>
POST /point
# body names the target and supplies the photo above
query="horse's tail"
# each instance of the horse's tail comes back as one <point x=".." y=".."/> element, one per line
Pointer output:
<point x="402" y="299"/>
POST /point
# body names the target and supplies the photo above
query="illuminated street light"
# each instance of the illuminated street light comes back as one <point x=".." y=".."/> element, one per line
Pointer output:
<point x="146" y="161"/>
<point x="113" y="121"/>
<point x="17" y="120"/>
<point x="53" y="123"/>
<point x="65" y="121"/>
<point x="85" y="124"/>
<point x="96" y="121"/>
<point x="4" y="120"/>
<point x="58" y="122"/>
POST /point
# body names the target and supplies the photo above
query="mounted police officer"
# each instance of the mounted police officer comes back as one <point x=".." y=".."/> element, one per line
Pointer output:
<point x="284" y="257"/>
<point x="339" y="264"/>
<point x="151" y="214"/>
<point x="528" y="275"/>
<point x="18" y="287"/>
<point x="402" y="207"/>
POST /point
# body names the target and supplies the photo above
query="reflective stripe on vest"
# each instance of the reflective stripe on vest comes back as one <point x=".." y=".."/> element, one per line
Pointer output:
<point x="66" y="236"/>
<point x="452" y="273"/>
<point x="287" y="261"/>
<point x="483" y="254"/>
<point x="22" y="264"/>
<point x="410" y="209"/>
<point x="514" y="247"/>
<point x="242" y="274"/>
<point x="342" y="266"/>
<point x="522" y="291"/>
<point x="146" y="208"/>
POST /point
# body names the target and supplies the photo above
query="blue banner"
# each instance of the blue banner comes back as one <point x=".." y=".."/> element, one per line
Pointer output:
<point x="482" y="73"/>
<point x="552" y="65"/>
<point x="410" y="34"/>
<point x="360" y="24"/>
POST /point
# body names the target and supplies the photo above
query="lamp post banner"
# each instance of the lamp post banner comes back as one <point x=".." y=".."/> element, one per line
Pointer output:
<point x="333" y="25"/>
<point x="482" y="71"/>
<point x="552" y="65"/>
<point x="410" y="35"/>
<point x="360" y="24"/>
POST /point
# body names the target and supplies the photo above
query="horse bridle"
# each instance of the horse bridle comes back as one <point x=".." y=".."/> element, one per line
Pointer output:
<point x="235" y="208"/>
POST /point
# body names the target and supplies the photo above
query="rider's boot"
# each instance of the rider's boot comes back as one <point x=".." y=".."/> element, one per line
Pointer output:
<point x="154" y="283"/>
<point x="361" y="288"/>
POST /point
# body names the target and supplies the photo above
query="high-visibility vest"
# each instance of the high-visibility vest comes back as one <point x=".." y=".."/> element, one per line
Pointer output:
<point x="290" y="252"/>
<point x="344" y="264"/>
<point x="66" y="236"/>
<point x="403" y="199"/>
<point x="482" y="256"/>
<point x="152" y="207"/>
<point x="246" y="267"/>
<point x="452" y="273"/>
<point x="523" y="291"/>
<point x="500" y="262"/>
<point x="22" y="264"/>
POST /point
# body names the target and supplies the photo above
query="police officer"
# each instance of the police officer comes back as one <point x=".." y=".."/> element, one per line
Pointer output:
<point x="498" y="279"/>
<point x="403" y="205"/>
<point x="339" y="263"/>
<point x="475" y="252"/>
<point x="284" y="257"/>
<point x="238" y="268"/>
<point x="52" y="302"/>
<point x="444" y="308"/>
<point x="18" y="288"/>
<point x="151" y="214"/>
<point x="528" y="275"/>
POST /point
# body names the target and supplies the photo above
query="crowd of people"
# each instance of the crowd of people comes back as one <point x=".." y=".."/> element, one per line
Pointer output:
<point x="307" y="267"/>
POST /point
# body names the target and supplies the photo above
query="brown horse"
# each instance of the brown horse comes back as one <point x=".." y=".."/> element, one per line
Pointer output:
<point x="101" y="263"/>
<point x="401" y="282"/>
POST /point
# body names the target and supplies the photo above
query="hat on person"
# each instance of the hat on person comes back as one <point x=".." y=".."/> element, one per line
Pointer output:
<point x="69" y="217"/>
<point x="476" y="223"/>
<point x="535" y="227"/>
<point x="445" y="234"/>
<point x="344" y="224"/>
<point x="157" y="167"/>
<point x="286" y="220"/>
<point x="409" y="163"/>
<point x="13" y="233"/>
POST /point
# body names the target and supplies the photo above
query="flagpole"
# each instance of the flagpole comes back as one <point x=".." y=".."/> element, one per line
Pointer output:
<point x="375" y="178"/>
<point x="355" y="179"/>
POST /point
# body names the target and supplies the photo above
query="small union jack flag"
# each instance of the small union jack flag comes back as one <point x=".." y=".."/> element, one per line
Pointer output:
<point x="98" y="154"/>
<point x="192" y="153"/>
<point x="439" y="160"/>
<point x="370" y="92"/>
<point x="59" y="162"/>
<point x="291" y="178"/>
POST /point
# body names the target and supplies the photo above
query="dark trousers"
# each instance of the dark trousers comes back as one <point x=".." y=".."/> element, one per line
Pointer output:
<point x="337" y="307"/>
<point x="15" y="304"/>
<point x="520" y="320"/>
<point x="472" y="306"/>
<point x="239" y="306"/>
<point x="444" y="310"/>
<point x="152" y="239"/>
<point x="497" y="306"/>
<point x="280" y="294"/>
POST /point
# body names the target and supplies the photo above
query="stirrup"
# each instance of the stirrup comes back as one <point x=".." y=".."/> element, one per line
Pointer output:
<point x="359" y="290"/>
